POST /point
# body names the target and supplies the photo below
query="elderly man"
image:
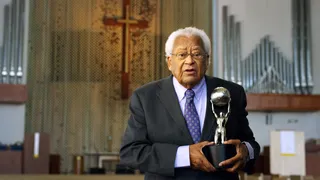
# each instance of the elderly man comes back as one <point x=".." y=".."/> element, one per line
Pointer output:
<point x="162" y="140"/>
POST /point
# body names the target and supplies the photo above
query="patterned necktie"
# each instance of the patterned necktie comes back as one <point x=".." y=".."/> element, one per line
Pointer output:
<point x="191" y="116"/>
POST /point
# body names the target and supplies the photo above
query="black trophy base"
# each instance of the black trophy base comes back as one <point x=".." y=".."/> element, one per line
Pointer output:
<point x="219" y="152"/>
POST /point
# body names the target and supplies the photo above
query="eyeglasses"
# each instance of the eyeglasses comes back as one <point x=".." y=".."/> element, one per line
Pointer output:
<point x="197" y="56"/>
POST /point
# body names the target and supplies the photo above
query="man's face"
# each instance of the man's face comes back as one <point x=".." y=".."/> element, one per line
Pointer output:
<point x="186" y="69"/>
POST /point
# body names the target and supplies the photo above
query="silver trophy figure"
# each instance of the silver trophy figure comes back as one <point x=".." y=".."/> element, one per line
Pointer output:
<point x="218" y="152"/>
<point x="220" y="97"/>
<point x="221" y="130"/>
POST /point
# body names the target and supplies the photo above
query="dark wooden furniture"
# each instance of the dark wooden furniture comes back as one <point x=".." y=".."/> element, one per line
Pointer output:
<point x="13" y="93"/>
<point x="283" y="102"/>
<point x="54" y="164"/>
<point x="31" y="164"/>
<point x="10" y="162"/>
<point x="313" y="159"/>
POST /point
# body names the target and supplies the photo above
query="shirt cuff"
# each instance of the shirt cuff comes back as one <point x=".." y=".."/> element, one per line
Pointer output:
<point x="250" y="150"/>
<point x="182" y="157"/>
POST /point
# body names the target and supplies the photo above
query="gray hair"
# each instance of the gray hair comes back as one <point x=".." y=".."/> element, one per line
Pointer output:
<point x="188" y="31"/>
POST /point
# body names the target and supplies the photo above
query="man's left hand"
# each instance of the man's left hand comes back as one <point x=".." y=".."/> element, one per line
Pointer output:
<point x="240" y="159"/>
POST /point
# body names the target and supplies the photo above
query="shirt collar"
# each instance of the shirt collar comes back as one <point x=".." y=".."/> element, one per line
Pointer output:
<point x="180" y="90"/>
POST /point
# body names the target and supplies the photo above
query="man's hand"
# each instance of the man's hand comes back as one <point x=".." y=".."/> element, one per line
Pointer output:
<point x="197" y="158"/>
<point x="240" y="159"/>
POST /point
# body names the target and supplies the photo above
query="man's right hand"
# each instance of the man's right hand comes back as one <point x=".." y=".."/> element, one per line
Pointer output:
<point x="197" y="158"/>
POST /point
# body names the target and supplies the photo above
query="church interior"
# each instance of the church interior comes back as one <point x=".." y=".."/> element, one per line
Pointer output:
<point x="68" y="68"/>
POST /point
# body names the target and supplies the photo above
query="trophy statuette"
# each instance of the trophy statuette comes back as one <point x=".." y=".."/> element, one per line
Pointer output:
<point x="220" y="101"/>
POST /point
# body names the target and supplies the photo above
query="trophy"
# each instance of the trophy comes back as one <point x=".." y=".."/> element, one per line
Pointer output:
<point x="218" y="152"/>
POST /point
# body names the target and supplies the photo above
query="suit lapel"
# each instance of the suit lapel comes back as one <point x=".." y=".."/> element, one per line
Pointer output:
<point x="210" y="121"/>
<point x="170" y="101"/>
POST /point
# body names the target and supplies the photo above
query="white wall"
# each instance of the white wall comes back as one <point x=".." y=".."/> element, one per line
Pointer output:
<point x="12" y="117"/>
<point x="11" y="123"/>
<point x="306" y="122"/>
<point x="273" y="17"/>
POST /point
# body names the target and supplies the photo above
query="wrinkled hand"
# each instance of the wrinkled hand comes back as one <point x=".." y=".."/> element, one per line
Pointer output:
<point x="240" y="159"/>
<point x="197" y="158"/>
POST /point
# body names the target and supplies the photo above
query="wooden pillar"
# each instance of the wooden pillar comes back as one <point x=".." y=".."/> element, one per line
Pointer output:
<point x="78" y="164"/>
<point x="36" y="153"/>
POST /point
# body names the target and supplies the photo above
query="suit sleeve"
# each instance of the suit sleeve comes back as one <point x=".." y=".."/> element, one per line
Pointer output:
<point x="245" y="133"/>
<point x="138" y="152"/>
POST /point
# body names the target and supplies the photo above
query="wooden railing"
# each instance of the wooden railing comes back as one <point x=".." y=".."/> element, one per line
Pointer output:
<point x="283" y="102"/>
<point x="13" y="93"/>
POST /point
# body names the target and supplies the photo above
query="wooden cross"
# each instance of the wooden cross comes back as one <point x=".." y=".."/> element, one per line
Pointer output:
<point x="126" y="23"/>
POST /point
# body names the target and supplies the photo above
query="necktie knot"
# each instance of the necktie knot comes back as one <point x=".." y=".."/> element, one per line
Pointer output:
<point x="189" y="94"/>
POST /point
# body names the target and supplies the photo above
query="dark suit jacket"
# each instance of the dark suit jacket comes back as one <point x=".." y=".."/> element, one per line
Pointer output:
<point x="157" y="128"/>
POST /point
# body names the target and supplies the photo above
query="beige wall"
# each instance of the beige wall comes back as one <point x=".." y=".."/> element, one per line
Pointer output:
<point x="177" y="14"/>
